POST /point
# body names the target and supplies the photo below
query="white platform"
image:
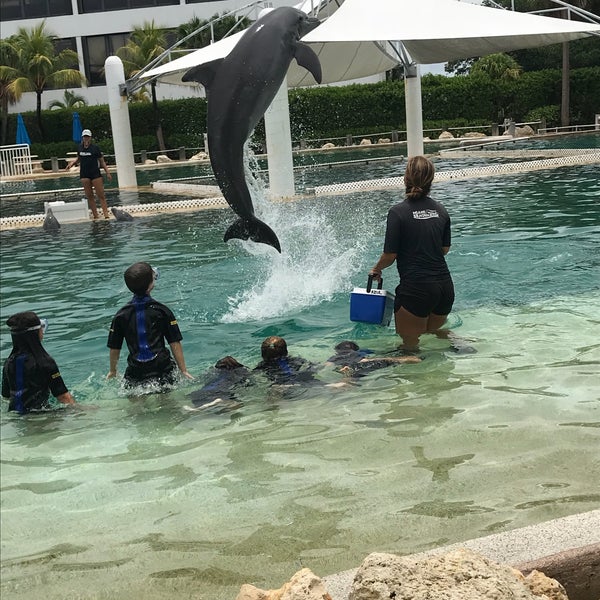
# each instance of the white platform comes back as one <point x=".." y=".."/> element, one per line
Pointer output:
<point x="67" y="212"/>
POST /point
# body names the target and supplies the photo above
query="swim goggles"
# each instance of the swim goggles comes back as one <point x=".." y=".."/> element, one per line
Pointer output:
<point x="155" y="273"/>
<point x="43" y="326"/>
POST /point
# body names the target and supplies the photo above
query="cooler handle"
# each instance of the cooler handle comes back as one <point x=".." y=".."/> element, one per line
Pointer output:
<point x="370" y="284"/>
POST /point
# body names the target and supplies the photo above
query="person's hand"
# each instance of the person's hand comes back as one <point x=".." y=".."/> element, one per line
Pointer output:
<point x="108" y="176"/>
<point x="187" y="375"/>
<point x="375" y="274"/>
<point x="111" y="374"/>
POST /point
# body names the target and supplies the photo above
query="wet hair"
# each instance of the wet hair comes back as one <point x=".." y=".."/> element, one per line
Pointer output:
<point x="273" y="347"/>
<point x="346" y="346"/>
<point x="227" y="362"/>
<point x="418" y="177"/>
<point x="23" y="340"/>
<point x="138" y="278"/>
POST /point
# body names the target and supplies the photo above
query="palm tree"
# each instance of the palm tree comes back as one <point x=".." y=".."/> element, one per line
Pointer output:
<point x="497" y="66"/>
<point x="39" y="66"/>
<point x="8" y="63"/>
<point x="217" y="31"/>
<point x="145" y="44"/>
<point x="71" y="100"/>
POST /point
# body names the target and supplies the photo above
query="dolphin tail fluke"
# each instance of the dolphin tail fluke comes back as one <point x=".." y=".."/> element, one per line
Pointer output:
<point x="253" y="229"/>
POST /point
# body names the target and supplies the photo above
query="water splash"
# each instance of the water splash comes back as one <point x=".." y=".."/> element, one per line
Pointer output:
<point x="316" y="260"/>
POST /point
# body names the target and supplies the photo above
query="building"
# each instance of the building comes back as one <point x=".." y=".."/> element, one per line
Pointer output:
<point x="95" y="29"/>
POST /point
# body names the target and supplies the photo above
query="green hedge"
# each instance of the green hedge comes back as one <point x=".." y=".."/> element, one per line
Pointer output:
<point x="318" y="113"/>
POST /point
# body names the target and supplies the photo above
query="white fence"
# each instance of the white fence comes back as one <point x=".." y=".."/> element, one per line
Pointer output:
<point x="15" y="160"/>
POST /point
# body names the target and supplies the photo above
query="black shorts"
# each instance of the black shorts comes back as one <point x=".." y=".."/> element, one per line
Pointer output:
<point x="91" y="175"/>
<point x="424" y="298"/>
<point x="162" y="370"/>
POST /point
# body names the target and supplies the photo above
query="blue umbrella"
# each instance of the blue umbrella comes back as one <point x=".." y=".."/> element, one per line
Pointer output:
<point x="22" y="135"/>
<point x="77" y="129"/>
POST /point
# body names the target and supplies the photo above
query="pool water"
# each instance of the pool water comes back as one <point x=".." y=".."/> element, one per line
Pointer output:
<point x="139" y="498"/>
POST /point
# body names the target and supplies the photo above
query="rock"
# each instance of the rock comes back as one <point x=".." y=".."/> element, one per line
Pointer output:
<point x="365" y="142"/>
<point x="199" y="156"/>
<point x="525" y="131"/>
<point x="384" y="141"/>
<point x="162" y="158"/>
<point x="474" y="134"/>
<point x="327" y="146"/>
<point x="149" y="161"/>
<point x="457" y="575"/>
<point x="445" y="135"/>
<point x="545" y="587"/>
<point x="304" y="585"/>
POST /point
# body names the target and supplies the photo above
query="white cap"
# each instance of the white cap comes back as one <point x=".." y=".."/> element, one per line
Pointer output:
<point x="86" y="132"/>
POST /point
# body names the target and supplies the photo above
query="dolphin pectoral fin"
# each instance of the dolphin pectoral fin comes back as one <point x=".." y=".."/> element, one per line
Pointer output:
<point x="252" y="229"/>
<point x="203" y="74"/>
<point x="307" y="58"/>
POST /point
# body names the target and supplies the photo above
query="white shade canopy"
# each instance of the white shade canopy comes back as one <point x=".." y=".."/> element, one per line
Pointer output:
<point x="436" y="31"/>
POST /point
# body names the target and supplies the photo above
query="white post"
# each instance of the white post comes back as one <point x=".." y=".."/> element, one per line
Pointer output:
<point x="279" y="145"/>
<point x="414" y="110"/>
<point x="119" y="120"/>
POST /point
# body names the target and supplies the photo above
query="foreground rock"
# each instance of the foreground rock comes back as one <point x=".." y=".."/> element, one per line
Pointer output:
<point x="304" y="585"/>
<point x="458" y="575"/>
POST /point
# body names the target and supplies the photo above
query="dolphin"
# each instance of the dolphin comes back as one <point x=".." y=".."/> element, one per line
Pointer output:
<point x="50" y="221"/>
<point x="239" y="89"/>
<point x="121" y="215"/>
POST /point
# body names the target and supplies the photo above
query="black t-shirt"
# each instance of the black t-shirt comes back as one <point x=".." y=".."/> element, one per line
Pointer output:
<point x="28" y="383"/>
<point x="221" y="383"/>
<point x="416" y="231"/>
<point x="287" y="370"/>
<point x="89" y="165"/>
<point x="144" y="324"/>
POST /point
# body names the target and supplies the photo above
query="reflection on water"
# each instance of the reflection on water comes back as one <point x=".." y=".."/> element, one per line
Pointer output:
<point x="136" y="497"/>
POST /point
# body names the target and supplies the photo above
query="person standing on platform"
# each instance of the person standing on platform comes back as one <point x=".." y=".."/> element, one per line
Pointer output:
<point x="91" y="160"/>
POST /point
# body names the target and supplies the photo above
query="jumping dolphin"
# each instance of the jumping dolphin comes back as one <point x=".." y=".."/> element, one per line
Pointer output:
<point x="50" y="221"/>
<point x="121" y="215"/>
<point x="239" y="89"/>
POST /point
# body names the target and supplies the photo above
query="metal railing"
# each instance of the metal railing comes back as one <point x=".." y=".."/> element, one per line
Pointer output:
<point x="15" y="160"/>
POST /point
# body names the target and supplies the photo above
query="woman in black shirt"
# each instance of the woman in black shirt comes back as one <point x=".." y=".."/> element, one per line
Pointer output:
<point x="418" y="238"/>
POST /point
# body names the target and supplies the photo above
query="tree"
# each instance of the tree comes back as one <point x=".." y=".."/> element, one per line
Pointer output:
<point x="145" y="44"/>
<point x="497" y="66"/>
<point x="70" y="100"/>
<point x="38" y="66"/>
<point x="8" y="63"/>
<point x="217" y="31"/>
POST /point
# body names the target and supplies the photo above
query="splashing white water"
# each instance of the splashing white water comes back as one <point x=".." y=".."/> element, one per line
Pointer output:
<point x="317" y="260"/>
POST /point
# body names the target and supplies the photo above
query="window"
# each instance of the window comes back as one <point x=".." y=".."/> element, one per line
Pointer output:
<point x="96" y="48"/>
<point x="91" y="6"/>
<point x="34" y="9"/>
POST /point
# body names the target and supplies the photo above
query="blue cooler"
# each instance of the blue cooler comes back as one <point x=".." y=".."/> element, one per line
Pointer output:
<point x="372" y="305"/>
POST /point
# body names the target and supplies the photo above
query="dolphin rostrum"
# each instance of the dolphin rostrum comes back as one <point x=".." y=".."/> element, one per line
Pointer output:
<point x="239" y="89"/>
<point x="121" y="215"/>
<point x="50" y="221"/>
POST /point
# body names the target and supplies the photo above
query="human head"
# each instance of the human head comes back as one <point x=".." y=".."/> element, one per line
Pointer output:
<point x="418" y="177"/>
<point x="86" y="133"/>
<point x="273" y="347"/>
<point x="227" y="362"/>
<point x="27" y="330"/>
<point x="139" y="278"/>
<point x="346" y="346"/>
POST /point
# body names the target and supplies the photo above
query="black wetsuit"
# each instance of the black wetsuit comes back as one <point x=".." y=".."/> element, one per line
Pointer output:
<point x="416" y="232"/>
<point x="28" y="382"/>
<point x="145" y="324"/>
<point x="287" y="370"/>
<point x="89" y="161"/>
<point x="221" y="386"/>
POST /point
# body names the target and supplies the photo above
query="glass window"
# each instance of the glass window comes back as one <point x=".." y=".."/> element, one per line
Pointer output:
<point x="89" y="6"/>
<point x="11" y="10"/>
<point x="95" y="49"/>
<point x="33" y="9"/>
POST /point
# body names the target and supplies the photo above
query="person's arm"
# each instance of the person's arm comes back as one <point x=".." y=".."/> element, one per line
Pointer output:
<point x="104" y="166"/>
<point x="445" y="249"/>
<point x="72" y="163"/>
<point x="66" y="398"/>
<point x="392" y="360"/>
<point x="114" y="354"/>
<point x="177" y="350"/>
<point x="385" y="260"/>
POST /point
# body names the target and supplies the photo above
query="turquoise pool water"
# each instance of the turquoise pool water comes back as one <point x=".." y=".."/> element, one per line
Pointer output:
<point x="142" y="499"/>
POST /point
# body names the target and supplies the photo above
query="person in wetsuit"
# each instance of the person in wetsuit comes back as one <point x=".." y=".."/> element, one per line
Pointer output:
<point x="353" y="361"/>
<point x="281" y="368"/>
<point x="30" y="374"/>
<point x="417" y="239"/>
<point x="145" y="324"/>
<point x="223" y="382"/>
<point x="90" y="160"/>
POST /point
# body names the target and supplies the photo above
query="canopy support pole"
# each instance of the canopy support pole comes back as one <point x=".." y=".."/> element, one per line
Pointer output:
<point x="414" y="110"/>
<point x="119" y="121"/>
<point x="279" y="145"/>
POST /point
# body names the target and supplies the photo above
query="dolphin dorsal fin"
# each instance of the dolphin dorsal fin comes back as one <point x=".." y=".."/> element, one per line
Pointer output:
<point x="307" y="58"/>
<point x="204" y="73"/>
